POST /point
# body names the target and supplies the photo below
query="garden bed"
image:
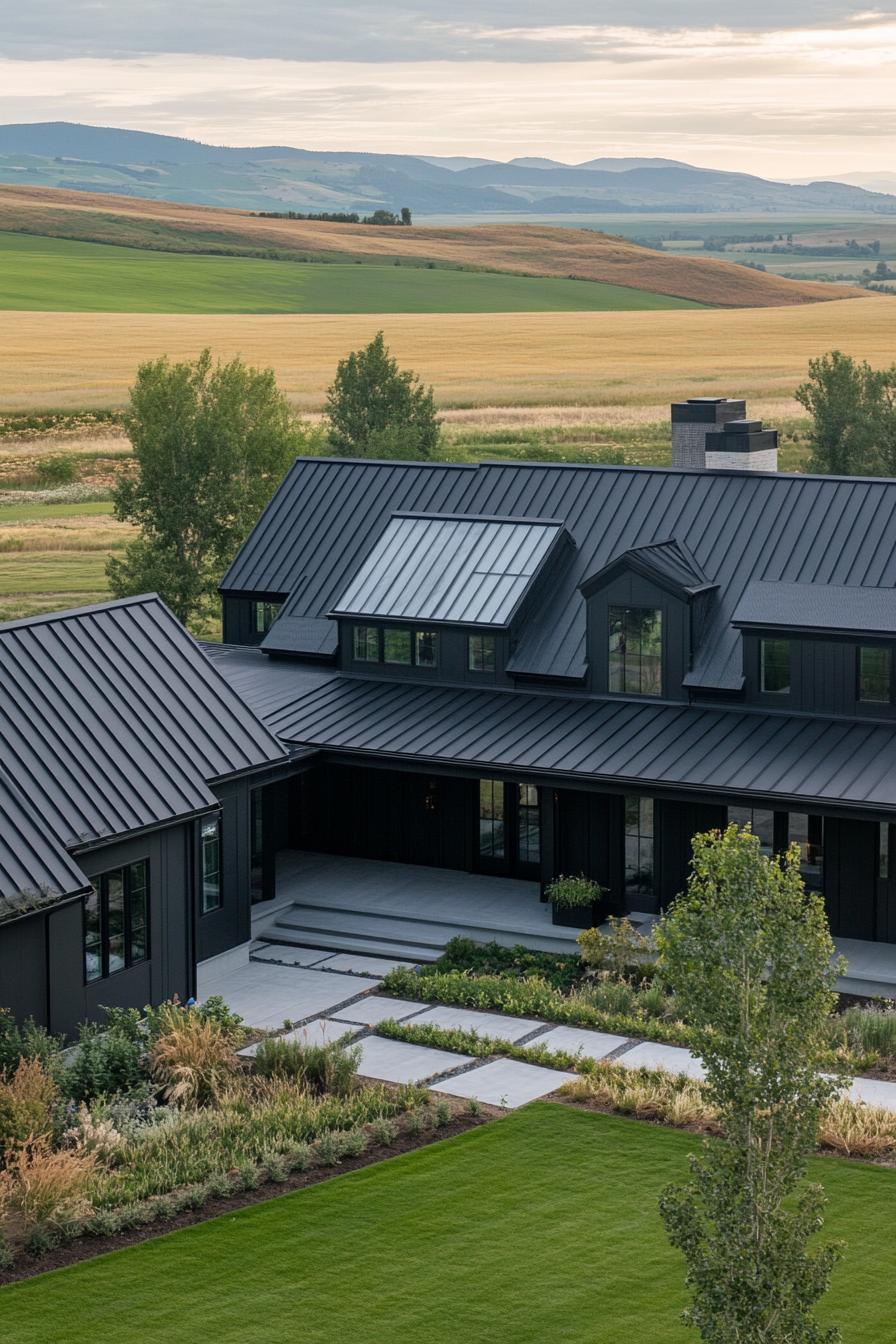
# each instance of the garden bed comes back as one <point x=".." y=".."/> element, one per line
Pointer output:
<point x="86" y="1247"/>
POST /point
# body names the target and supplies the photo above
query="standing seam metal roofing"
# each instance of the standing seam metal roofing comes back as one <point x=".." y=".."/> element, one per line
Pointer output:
<point x="727" y="752"/>
<point x="31" y="862"/>
<point x="112" y="720"/>
<point x="462" y="570"/>
<point x="738" y="526"/>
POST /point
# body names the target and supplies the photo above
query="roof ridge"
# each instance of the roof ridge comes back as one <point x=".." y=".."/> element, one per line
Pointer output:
<point x="73" y="613"/>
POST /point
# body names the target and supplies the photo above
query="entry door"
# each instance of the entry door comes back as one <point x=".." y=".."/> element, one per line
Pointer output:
<point x="508" y="830"/>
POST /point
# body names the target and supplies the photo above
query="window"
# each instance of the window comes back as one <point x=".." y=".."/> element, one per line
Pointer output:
<point x="366" y="644"/>
<point x="638" y="846"/>
<point x="492" y="842"/>
<point x="264" y="615"/>
<point x="875" y="675"/>
<point x="885" y="849"/>
<point x="481" y="653"/>
<point x="397" y="647"/>
<point x="211" y="896"/>
<point x="426" y="648"/>
<point x="529" y="824"/>
<point x="808" y="832"/>
<point x="760" y="822"/>
<point x="116" y="921"/>
<point x="774" y="666"/>
<point x="636" y="650"/>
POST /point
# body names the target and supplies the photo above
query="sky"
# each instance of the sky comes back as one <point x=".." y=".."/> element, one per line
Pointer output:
<point x="796" y="89"/>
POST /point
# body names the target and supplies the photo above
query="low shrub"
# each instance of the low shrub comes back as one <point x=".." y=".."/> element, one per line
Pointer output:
<point x="28" y="1041"/>
<point x="93" y="1133"/>
<point x="331" y="1068"/>
<point x="621" y="951"/>
<point x="29" y="1104"/>
<point x="531" y="998"/>
<point x="57" y="469"/>
<point x="110" y="1058"/>
<point x="384" y="1132"/>
<point x="560" y="970"/>
<point x="442" y="1114"/>
<point x="354" y="1143"/>
<point x="329" y="1149"/>
<point x="191" y="1059"/>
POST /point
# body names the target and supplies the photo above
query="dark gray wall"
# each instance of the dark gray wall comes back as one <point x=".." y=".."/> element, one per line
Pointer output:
<point x="231" y="924"/>
<point x="23" y="967"/>
<point x="452" y="657"/>
<point x="824" y="677"/>
<point x="238" y="614"/>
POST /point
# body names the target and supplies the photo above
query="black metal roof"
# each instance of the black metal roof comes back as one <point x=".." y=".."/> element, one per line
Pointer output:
<point x="810" y="606"/>
<point x="739" y="527"/>
<point x="669" y="563"/>
<point x="33" y="865"/>
<point x="112" y="721"/>
<point x="453" y="569"/>
<point x="735" y="753"/>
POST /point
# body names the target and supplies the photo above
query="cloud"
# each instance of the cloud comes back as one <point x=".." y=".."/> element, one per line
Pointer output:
<point x="374" y="31"/>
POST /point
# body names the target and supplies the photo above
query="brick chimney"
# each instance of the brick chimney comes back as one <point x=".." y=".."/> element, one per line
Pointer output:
<point x="693" y="420"/>
<point x="743" y="445"/>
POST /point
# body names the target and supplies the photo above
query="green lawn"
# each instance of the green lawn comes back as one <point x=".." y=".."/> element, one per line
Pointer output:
<point x="542" y="1226"/>
<point x="55" y="275"/>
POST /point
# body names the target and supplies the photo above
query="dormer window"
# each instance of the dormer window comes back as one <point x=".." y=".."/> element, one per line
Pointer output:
<point x="636" y="650"/>
<point x="481" y="653"/>
<point x="774" y="666"/>
<point x="395" y="646"/>
<point x="366" y="644"/>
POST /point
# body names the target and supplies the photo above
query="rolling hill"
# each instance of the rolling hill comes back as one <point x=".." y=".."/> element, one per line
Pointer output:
<point x="272" y="177"/>
<point x="533" y="250"/>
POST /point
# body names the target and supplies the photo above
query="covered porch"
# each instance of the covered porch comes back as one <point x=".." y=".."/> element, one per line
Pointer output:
<point x="405" y="912"/>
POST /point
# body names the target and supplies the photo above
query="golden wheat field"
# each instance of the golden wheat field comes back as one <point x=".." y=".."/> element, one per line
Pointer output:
<point x="74" y="360"/>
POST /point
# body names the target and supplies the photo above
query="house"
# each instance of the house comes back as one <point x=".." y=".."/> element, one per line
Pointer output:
<point x="507" y="669"/>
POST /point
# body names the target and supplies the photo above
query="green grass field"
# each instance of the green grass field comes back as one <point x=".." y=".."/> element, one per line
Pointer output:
<point x="541" y="1226"/>
<point x="54" y="275"/>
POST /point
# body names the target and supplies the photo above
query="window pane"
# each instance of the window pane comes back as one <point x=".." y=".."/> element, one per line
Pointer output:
<point x="638" y="846"/>
<point x="210" y="849"/>
<point x="636" y="650"/>
<point x="266" y="614"/>
<point x="808" y="832"/>
<point x="366" y="644"/>
<point x="93" y="946"/>
<point x="481" y="653"/>
<point x="491" y="818"/>
<point x="138" y="912"/>
<point x="397" y="646"/>
<point x="774" y="666"/>
<point x="875" y="675"/>
<point x="884" y="848"/>
<point x="759" y="821"/>
<point x="529" y="824"/>
<point x="426" y="648"/>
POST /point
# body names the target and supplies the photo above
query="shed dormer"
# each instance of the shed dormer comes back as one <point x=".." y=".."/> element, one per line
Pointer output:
<point x="646" y="611"/>
<point x="443" y="595"/>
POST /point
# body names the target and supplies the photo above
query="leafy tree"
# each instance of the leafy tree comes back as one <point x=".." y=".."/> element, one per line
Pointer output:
<point x="376" y="409"/>
<point x="843" y="397"/>
<point x="406" y="215"/>
<point x="210" y="442"/>
<point x="748" y="955"/>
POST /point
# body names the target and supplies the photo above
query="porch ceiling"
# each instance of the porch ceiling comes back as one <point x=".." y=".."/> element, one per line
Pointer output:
<point x="737" y="753"/>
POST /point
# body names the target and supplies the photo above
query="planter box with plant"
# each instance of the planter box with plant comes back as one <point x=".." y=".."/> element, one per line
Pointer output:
<point x="575" y="900"/>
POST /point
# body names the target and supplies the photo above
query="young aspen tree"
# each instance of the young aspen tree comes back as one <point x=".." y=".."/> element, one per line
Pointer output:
<point x="748" y="955"/>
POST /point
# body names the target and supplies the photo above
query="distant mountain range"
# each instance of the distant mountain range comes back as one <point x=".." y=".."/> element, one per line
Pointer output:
<point x="281" y="177"/>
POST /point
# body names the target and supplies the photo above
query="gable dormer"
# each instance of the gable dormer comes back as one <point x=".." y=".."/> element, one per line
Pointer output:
<point x="443" y="596"/>
<point x="645" y="614"/>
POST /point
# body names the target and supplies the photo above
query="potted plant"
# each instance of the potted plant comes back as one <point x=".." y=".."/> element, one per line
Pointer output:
<point x="574" y="900"/>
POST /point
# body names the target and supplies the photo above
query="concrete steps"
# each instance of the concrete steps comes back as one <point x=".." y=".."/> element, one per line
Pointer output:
<point x="399" y="935"/>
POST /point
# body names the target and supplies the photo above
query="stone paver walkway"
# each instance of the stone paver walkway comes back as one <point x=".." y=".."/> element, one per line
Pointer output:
<point x="328" y="1003"/>
<point x="504" y="1082"/>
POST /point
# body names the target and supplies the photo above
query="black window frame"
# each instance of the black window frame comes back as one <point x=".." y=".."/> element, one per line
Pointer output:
<point x="100" y="884"/>
<point x="788" y="643"/>
<point x="887" y="651"/>
<point x="618" y="625"/>
<point x="485" y="641"/>
<point x="214" y="820"/>
<point x="264" y="614"/>
<point x="639" y="838"/>
<point x="415" y="634"/>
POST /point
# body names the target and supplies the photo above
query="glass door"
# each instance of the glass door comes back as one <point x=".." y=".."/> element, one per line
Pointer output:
<point x="508" y="833"/>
